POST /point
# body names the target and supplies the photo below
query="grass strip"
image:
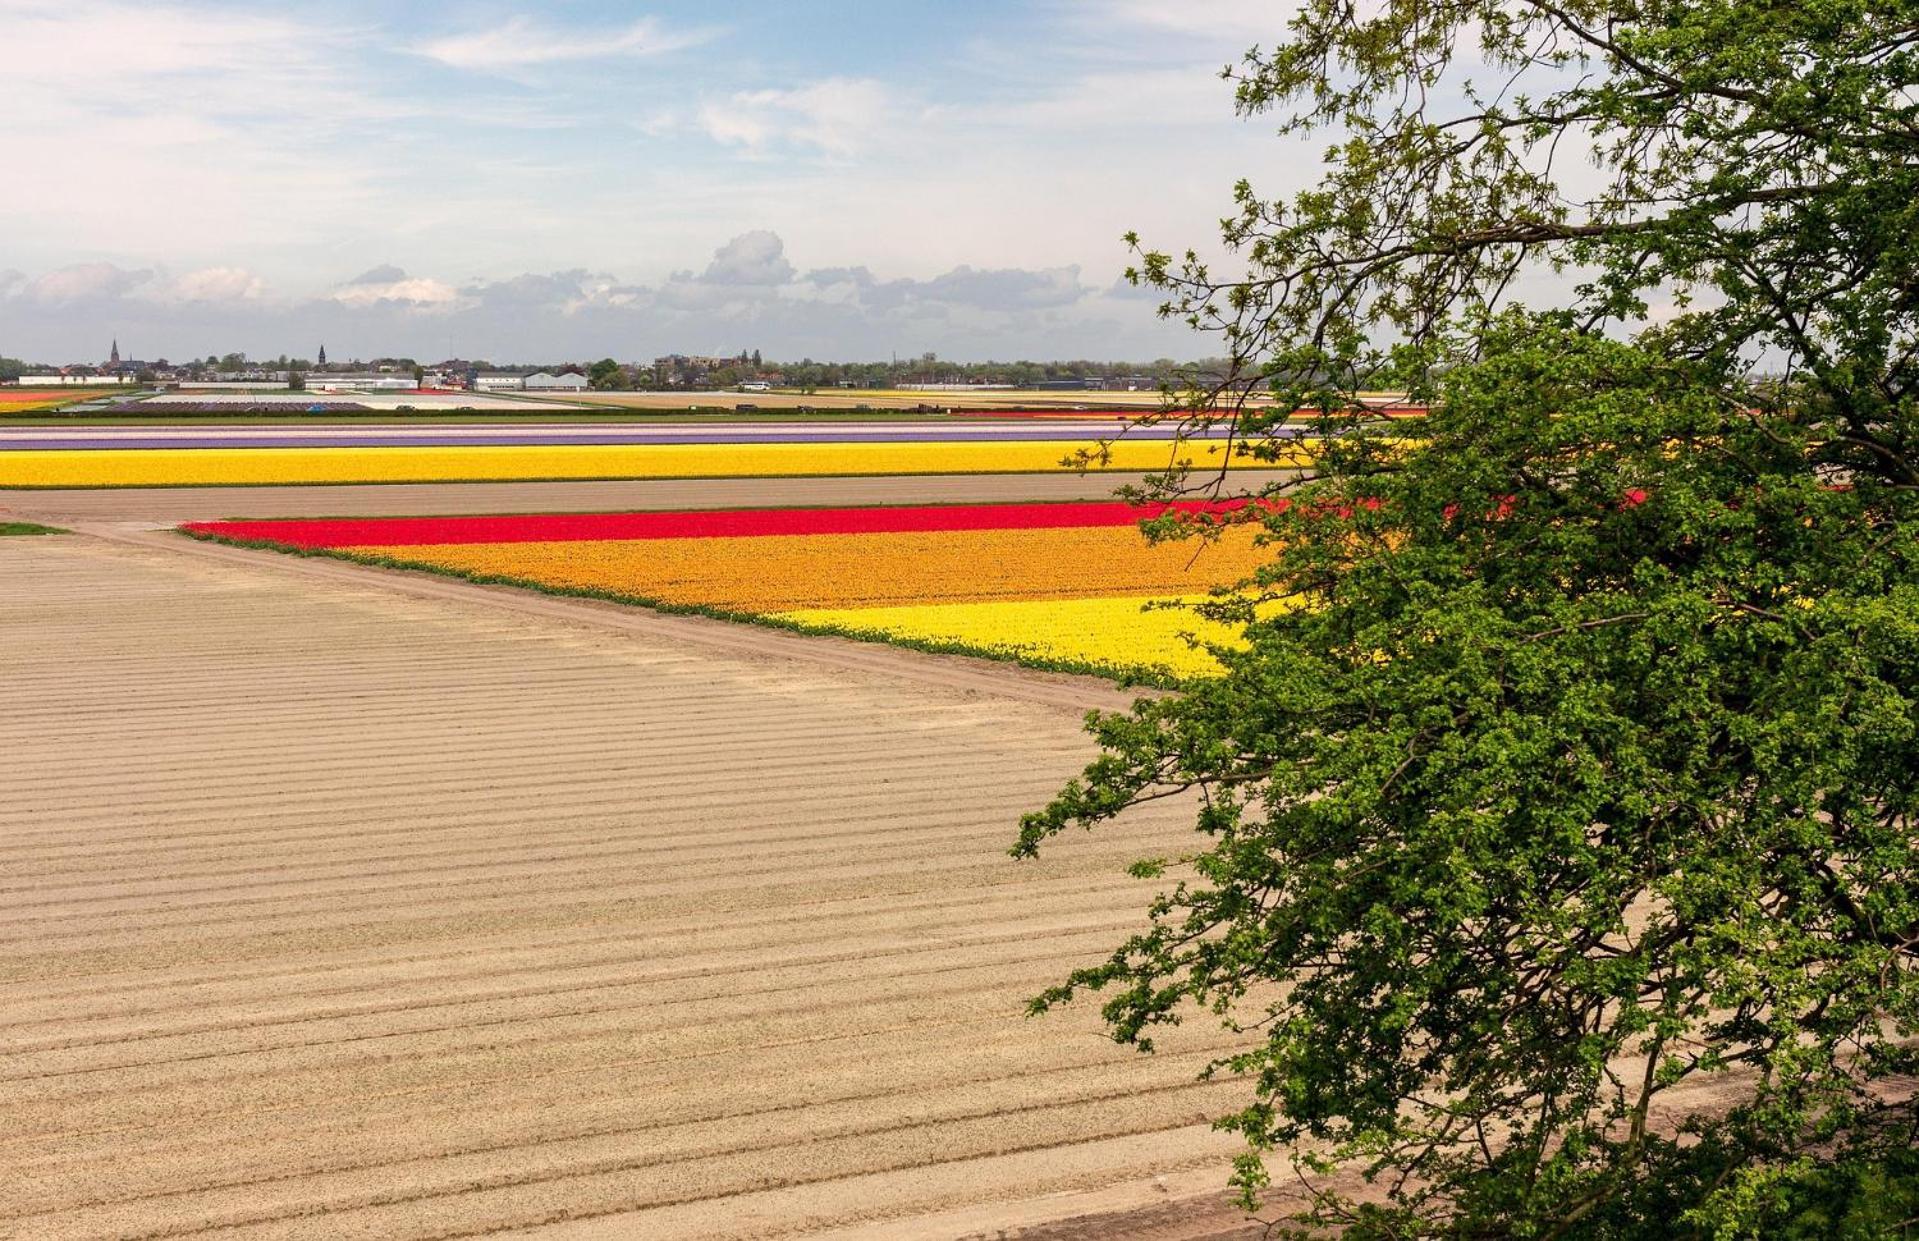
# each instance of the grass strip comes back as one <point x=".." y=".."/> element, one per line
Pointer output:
<point x="11" y="529"/>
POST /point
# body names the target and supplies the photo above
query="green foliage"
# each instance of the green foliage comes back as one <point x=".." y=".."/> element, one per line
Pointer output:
<point x="1594" y="746"/>
<point x="606" y="375"/>
<point x="1557" y="862"/>
<point x="1853" y="1201"/>
<point x="1757" y="155"/>
<point x="12" y="529"/>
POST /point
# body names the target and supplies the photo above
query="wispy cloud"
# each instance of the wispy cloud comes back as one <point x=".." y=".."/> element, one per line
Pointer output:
<point x="835" y="116"/>
<point x="1114" y="101"/>
<point x="1260" y="21"/>
<point x="522" y="42"/>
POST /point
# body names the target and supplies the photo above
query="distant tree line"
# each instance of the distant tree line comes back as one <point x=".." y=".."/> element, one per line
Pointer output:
<point x="677" y="370"/>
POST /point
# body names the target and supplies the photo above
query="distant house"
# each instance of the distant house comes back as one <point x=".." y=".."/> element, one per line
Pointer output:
<point x="680" y="370"/>
<point x="545" y="381"/>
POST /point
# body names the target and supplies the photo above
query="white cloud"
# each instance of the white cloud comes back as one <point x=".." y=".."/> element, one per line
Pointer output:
<point x="249" y="146"/>
<point x="85" y="282"/>
<point x="392" y="286"/>
<point x="747" y="297"/>
<point x="569" y="293"/>
<point x="836" y="116"/>
<point x="1006" y="288"/>
<point x="758" y="257"/>
<point x="81" y="285"/>
<point x="833" y="277"/>
<point x="520" y="42"/>
<point x="385" y="273"/>
<point x="217" y="284"/>
<point x="93" y="284"/>
<point x="212" y="115"/>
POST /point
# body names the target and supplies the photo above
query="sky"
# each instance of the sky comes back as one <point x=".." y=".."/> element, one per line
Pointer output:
<point x="515" y="181"/>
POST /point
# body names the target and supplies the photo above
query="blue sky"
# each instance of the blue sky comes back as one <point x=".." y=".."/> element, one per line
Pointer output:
<point x="577" y="179"/>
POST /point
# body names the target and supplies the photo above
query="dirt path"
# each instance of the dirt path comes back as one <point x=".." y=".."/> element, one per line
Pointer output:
<point x="172" y="505"/>
<point x="340" y="906"/>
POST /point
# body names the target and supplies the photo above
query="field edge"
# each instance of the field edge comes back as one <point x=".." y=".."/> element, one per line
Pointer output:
<point x="1123" y="676"/>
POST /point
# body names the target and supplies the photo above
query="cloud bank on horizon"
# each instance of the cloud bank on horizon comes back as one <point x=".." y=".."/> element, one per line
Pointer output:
<point x="588" y="179"/>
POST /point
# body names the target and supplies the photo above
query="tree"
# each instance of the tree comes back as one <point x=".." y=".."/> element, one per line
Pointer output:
<point x="607" y="375"/>
<point x="1557" y="863"/>
<point x="296" y="381"/>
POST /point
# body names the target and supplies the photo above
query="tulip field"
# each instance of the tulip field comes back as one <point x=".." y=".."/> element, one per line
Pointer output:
<point x="1061" y="585"/>
<point x="198" y="467"/>
<point x="30" y="400"/>
<point x="387" y="859"/>
<point x="66" y="457"/>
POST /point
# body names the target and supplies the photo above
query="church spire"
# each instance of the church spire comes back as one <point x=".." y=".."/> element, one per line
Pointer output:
<point x="114" y="357"/>
<point x="322" y="355"/>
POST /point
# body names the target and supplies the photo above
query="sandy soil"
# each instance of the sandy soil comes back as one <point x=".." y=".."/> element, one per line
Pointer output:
<point x="172" y="505"/>
<point x="334" y="906"/>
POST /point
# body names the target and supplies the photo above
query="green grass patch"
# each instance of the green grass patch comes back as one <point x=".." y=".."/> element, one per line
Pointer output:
<point x="10" y="529"/>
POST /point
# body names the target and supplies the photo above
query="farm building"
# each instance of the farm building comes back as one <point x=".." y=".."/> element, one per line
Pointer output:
<point x="359" y="383"/>
<point x="545" y="381"/>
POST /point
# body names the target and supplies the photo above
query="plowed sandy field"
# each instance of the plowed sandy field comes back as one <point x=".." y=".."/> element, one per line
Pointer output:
<point x="333" y="910"/>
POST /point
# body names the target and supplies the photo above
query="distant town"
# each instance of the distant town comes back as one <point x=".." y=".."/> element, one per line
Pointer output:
<point x="745" y="371"/>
